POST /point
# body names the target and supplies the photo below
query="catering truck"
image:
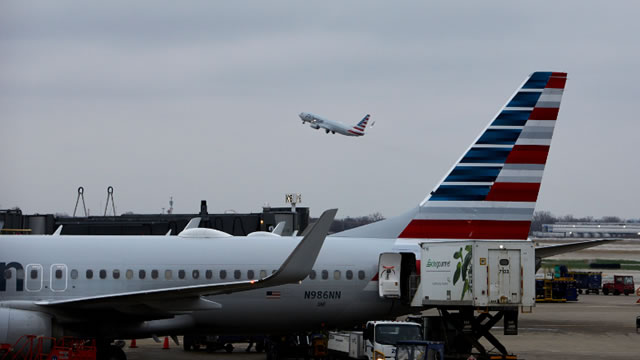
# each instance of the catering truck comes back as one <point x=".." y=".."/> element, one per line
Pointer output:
<point x="480" y="274"/>
<point x="377" y="342"/>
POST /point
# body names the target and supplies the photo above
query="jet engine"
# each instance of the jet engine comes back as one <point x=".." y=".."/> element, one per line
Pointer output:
<point x="315" y="126"/>
<point x="15" y="323"/>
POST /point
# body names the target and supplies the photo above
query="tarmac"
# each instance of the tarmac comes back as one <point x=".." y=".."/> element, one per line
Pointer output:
<point x="594" y="327"/>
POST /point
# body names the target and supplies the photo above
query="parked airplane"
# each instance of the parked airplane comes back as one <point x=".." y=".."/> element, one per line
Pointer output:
<point x="207" y="281"/>
<point x="317" y="122"/>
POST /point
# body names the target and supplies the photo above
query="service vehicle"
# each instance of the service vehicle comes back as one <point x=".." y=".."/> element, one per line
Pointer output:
<point x="480" y="274"/>
<point x="587" y="281"/>
<point x="622" y="284"/>
<point x="377" y="342"/>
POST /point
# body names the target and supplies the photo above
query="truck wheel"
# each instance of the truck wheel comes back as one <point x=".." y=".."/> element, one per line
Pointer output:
<point x="580" y="291"/>
<point x="228" y="348"/>
<point x="616" y="292"/>
<point x="597" y="291"/>
<point x="626" y="292"/>
<point x="605" y="291"/>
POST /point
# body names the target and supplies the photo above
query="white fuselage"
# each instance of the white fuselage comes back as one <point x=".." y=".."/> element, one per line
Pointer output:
<point x="317" y="122"/>
<point x="334" y="300"/>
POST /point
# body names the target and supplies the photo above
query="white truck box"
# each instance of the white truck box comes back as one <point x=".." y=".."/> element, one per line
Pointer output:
<point x="338" y="341"/>
<point x="479" y="273"/>
<point x="356" y="345"/>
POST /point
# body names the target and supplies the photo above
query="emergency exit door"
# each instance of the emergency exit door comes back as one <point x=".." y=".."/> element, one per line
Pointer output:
<point x="504" y="276"/>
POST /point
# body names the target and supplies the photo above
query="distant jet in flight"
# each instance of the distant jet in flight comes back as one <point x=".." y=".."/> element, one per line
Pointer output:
<point x="318" y="122"/>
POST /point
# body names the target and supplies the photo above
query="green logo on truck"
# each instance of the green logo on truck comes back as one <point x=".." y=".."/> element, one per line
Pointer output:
<point x="437" y="264"/>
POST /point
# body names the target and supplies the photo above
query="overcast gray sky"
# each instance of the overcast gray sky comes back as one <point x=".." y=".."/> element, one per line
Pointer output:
<point x="199" y="100"/>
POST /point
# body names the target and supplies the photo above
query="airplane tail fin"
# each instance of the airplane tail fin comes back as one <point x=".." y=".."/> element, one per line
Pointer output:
<point x="361" y="126"/>
<point x="491" y="191"/>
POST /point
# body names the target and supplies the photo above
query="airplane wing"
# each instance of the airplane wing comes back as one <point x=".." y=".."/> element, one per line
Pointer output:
<point x="189" y="298"/>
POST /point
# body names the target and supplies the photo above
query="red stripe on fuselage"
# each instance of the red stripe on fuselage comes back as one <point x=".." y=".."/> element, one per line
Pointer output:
<point x="504" y="191"/>
<point x="528" y="154"/>
<point x="466" y="229"/>
<point x="544" y="114"/>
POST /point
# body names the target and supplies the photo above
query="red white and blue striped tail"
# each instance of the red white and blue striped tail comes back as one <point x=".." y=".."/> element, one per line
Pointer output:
<point x="491" y="192"/>
<point x="358" y="130"/>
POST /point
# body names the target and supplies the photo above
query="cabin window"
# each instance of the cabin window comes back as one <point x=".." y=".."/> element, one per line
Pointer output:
<point x="129" y="274"/>
<point x="34" y="274"/>
<point x="336" y="275"/>
<point x="88" y="274"/>
<point x="223" y="274"/>
<point x="168" y="274"/>
<point x="181" y="274"/>
<point x="154" y="274"/>
<point x="195" y="274"/>
<point x="142" y="274"/>
<point x="74" y="274"/>
<point x="325" y="274"/>
<point x="103" y="274"/>
<point x="361" y="274"/>
<point x="312" y="275"/>
<point x="237" y="274"/>
<point x="116" y="274"/>
<point x="250" y="274"/>
<point x="349" y="274"/>
<point x="58" y="274"/>
<point x="263" y="274"/>
<point x="208" y="274"/>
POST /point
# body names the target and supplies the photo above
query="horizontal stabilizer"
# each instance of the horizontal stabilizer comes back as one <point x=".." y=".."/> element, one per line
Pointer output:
<point x="552" y="250"/>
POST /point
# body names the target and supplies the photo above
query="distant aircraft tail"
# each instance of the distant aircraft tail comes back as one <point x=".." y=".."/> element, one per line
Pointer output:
<point x="358" y="130"/>
<point x="491" y="191"/>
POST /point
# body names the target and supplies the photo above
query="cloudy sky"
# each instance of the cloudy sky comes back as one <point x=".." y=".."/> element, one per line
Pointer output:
<point x="199" y="100"/>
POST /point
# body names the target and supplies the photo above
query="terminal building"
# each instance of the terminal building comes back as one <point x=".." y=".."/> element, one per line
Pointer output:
<point x="589" y="230"/>
<point x="15" y="222"/>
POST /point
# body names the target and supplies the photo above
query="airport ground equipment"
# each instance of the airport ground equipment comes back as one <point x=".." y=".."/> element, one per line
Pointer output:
<point x="622" y="284"/>
<point x="33" y="347"/>
<point x="587" y="281"/>
<point x="419" y="350"/>
<point x="480" y="274"/>
<point x="493" y="279"/>
<point x="377" y="342"/>
<point x="560" y="289"/>
<point x="213" y="343"/>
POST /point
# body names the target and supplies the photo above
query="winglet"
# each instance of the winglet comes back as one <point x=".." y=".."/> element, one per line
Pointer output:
<point x="300" y="262"/>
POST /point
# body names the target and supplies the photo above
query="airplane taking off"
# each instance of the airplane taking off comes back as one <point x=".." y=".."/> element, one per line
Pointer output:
<point x="205" y="281"/>
<point x="330" y="126"/>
